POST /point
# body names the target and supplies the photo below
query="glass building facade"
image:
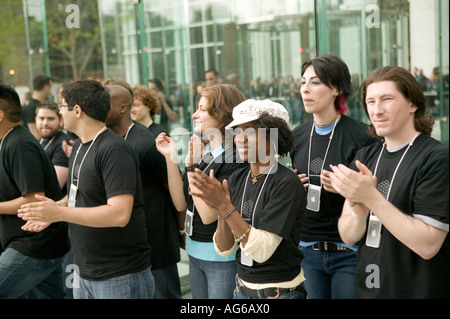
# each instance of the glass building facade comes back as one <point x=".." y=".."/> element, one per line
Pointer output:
<point x="258" y="45"/>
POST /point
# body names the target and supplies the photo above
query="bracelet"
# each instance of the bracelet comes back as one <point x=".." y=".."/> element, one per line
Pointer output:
<point x="191" y="168"/>
<point x="228" y="215"/>
<point x="238" y="240"/>
<point x="181" y="231"/>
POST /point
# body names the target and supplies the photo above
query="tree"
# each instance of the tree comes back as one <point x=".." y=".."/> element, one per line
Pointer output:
<point x="73" y="36"/>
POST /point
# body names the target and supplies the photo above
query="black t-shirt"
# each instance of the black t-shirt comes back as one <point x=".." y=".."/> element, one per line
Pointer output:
<point x="160" y="214"/>
<point x="29" y="112"/>
<point x="156" y="129"/>
<point x="223" y="165"/>
<point x="420" y="188"/>
<point x="109" y="169"/>
<point x="24" y="169"/>
<point x="278" y="210"/>
<point x="53" y="148"/>
<point x="349" y="136"/>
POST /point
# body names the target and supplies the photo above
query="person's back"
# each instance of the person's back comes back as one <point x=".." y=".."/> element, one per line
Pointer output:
<point x="42" y="85"/>
<point x="25" y="172"/>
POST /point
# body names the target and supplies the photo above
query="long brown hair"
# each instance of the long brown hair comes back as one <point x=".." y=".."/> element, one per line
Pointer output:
<point x="408" y="86"/>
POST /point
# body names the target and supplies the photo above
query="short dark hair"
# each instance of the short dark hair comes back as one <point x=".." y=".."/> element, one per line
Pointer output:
<point x="408" y="86"/>
<point x="159" y="84"/>
<point x="332" y="71"/>
<point x="10" y="103"/>
<point x="48" y="105"/>
<point x="91" y="96"/>
<point x="214" y="71"/>
<point x="40" y="81"/>
<point x="285" y="135"/>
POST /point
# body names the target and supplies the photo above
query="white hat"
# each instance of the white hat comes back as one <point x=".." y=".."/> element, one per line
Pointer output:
<point x="251" y="110"/>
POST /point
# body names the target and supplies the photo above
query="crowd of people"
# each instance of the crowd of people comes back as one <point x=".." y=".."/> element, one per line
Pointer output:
<point x="92" y="184"/>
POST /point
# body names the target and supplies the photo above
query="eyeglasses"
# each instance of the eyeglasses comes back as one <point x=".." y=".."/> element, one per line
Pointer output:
<point x="69" y="108"/>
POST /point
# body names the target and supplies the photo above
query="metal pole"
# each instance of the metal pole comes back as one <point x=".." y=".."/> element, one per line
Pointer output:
<point x="321" y="27"/>
<point x="102" y="40"/>
<point x="27" y="36"/>
<point x="143" y="42"/>
<point x="442" y="116"/>
<point x="44" y="39"/>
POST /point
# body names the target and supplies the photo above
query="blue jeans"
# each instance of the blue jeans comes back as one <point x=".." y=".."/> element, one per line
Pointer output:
<point x="211" y="279"/>
<point x="139" y="285"/>
<point x="167" y="283"/>
<point x="329" y="274"/>
<point x="295" y="294"/>
<point x="25" y="277"/>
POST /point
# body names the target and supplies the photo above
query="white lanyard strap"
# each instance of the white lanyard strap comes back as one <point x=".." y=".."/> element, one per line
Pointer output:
<point x="76" y="155"/>
<point x="193" y="205"/>
<point x="398" y="164"/>
<point x="260" y="192"/>
<point x="326" y="152"/>
<point x="396" y="168"/>
<point x="49" y="142"/>
<point x="129" y="128"/>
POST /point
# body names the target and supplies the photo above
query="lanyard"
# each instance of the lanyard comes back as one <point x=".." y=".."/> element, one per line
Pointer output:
<point x="4" y="137"/>
<point x="398" y="164"/>
<point x="326" y="152"/>
<point x="49" y="142"/>
<point x="260" y="191"/>
<point x="76" y="155"/>
<point x="193" y="205"/>
<point x="129" y="128"/>
<point x="396" y="168"/>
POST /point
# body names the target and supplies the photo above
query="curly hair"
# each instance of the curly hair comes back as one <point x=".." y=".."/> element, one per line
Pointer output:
<point x="148" y="98"/>
<point x="284" y="133"/>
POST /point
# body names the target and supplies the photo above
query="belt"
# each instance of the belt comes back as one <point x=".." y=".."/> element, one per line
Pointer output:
<point x="323" y="245"/>
<point x="271" y="293"/>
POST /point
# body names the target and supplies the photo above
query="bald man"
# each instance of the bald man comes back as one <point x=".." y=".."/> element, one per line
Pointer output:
<point x="161" y="216"/>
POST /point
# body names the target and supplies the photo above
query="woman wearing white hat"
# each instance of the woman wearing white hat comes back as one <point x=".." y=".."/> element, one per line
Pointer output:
<point x="211" y="275"/>
<point x="260" y="207"/>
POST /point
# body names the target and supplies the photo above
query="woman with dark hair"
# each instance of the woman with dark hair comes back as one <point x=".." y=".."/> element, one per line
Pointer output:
<point x="330" y="138"/>
<point x="211" y="275"/>
<point x="259" y="208"/>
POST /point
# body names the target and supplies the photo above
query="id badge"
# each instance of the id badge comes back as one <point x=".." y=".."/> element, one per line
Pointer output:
<point x="373" y="237"/>
<point x="313" y="197"/>
<point x="72" y="196"/>
<point x="246" y="260"/>
<point x="188" y="224"/>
